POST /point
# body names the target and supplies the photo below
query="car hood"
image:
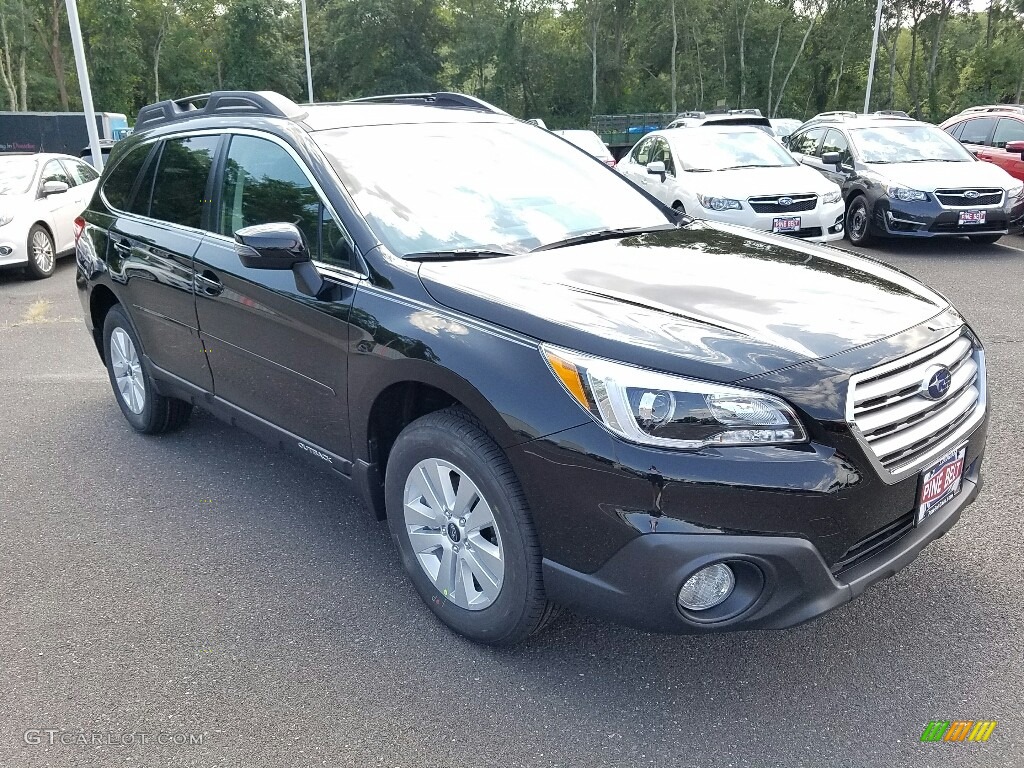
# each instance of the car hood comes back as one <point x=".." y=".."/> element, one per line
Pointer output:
<point x="705" y="300"/>
<point x="754" y="182"/>
<point x="929" y="176"/>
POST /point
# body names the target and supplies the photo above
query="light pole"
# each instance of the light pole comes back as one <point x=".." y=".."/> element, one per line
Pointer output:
<point x="305" y="38"/>
<point x="83" y="81"/>
<point x="874" y="53"/>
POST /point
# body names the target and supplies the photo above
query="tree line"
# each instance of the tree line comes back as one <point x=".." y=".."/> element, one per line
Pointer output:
<point x="561" y="60"/>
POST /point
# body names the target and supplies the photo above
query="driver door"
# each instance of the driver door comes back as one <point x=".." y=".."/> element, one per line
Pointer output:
<point x="59" y="207"/>
<point x="276" y="352"/>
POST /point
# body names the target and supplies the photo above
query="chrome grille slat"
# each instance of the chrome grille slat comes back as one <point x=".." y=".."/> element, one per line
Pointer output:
<point x="902" y="427"/>
<point x="910" y="407"/>
<point x="910" y="377"/>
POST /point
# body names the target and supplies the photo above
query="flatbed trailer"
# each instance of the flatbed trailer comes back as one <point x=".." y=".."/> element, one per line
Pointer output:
<point x="621" y="132"/>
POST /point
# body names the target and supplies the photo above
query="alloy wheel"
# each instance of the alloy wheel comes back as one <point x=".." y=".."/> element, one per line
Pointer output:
<point x="42" y="251"/>
<point x="124" y="361"/>
<point x="453" y="534"/>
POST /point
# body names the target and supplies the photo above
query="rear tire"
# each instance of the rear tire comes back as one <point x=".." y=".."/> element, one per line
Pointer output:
<point x="858" y="222"/>
<point x="42" y="257"/>
<point x="145" y="409"/>
<point x="984" y="239"/>
<point x="476" y="560"/>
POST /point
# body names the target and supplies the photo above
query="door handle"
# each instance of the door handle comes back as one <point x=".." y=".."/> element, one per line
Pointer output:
<point x="207" y="283"/>
<point x="124" y="248"/>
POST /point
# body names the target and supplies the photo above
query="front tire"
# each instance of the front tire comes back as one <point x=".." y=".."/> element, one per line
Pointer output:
<point x="984" y="239"/>
<point x="42" y="257"/>
<point x="462" y="527"/>
<point x="145" y="409"/>
<point x="858" y="222"/>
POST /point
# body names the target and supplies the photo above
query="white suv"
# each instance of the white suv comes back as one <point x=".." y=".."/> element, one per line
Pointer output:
<point x="738" y="175"/>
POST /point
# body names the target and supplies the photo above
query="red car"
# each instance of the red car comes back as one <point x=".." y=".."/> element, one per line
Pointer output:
<point x="992" y="133"/>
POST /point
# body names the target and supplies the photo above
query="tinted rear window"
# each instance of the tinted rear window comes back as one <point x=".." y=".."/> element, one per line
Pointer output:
<point x="180" y="183"/>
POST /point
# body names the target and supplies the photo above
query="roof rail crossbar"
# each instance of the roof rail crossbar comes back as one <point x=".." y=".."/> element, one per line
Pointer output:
<point x="218" y="103"/>
<point x="440" y="99"/>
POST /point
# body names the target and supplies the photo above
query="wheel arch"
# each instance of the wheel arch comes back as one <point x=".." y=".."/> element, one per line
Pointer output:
<point x="101" y="300"/>
<point x="413" y="389"/>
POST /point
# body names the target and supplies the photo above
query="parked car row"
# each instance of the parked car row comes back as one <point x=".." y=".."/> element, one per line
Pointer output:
<point x="882" y="174"/>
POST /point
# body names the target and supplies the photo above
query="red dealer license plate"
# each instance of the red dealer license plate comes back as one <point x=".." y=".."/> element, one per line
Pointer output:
<point x="972" y="217"/>
<point x="941" y="482"/>
<point x="786" y="224"/>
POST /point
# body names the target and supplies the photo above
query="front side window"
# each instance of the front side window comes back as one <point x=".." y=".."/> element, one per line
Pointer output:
<point x="120" y="184"/>
<point x="836" y="142"/>
<point x="263" y="184"/>
<point x="54" y="171"/>
<point x="664" y="154"/>
<point x="180" y="182"/>
<point x="907" y="144"/>
<point x="977" y="131"/>
<point x="807" y="142"/>
<point x="1008" y="130"/>
<point x="642" y="151"/>
<point x="428" y="187"/>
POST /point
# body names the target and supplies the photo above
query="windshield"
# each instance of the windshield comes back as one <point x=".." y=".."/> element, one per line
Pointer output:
<point x="427" y="187"/>
<point x="16" y="174"/>
<point x="907" y="144"/>
<point x="701" y="150"/>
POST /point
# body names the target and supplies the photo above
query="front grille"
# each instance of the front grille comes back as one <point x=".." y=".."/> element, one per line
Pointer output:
<point x="958" y="198"/>
<point x="952" y="227"/>
<point x="902" y="427"/>
<point x="874" y="543"/>
<point x="771" y="204"/>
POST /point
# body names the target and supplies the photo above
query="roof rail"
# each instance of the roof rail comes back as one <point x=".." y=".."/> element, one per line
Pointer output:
<point x="440" y="99"/>
<point x="996" y="108"/>
<point x="218" y="103"/>
<point x="835" y="113"/>
<point x="693" y="114"/>
<point x="890" y="113"/>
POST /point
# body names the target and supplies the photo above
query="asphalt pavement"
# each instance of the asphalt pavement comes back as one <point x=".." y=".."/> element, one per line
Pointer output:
<point x="201" y="599"/>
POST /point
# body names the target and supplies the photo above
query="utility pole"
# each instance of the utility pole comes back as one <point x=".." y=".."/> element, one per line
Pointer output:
<point x="305" y="38"/>
<point x="874" y="53"/>
<point x="83" y="81"/>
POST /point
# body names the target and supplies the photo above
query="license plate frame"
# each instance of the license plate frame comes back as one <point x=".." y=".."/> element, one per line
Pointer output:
<point x="940" y="483"/>
<point x="972" y="218"/>
<point x="786" y="224"/>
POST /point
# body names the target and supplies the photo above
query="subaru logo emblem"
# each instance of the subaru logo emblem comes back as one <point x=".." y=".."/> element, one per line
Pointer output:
<point x="785" y="201"/>
<point x="970" y="194"/>
<point x="936" y="382"/>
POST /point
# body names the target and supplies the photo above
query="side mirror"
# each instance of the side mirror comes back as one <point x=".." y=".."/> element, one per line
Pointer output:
<point x="54" y="188"/>
<point x="270" y="246"/>
<point x="1015" y="147"/>
<point x="785" y="140"/>
<point x="656" y="167"/>
<point x="832" y="158"/>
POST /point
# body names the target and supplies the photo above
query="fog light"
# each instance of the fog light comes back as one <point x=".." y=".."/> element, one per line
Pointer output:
<point x="707" y="588"/>
<point x="5" y="250"/>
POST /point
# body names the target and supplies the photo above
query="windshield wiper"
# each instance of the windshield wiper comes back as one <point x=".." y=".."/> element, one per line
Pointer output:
<point x="737" y="167"/>
<point x="457" y="254"/>
<point x="601" y="234"/>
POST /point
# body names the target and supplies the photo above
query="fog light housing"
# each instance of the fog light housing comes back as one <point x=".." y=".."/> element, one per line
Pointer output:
<point x="708" y="587"/>
<point x="6" y="250"/>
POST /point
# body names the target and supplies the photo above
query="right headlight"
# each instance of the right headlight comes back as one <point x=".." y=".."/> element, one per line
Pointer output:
<point x="669" y="411"/>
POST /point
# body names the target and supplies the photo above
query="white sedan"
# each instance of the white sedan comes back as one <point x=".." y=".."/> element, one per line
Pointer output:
<point x="40" y="197"/>
<point x="738" y="175"/>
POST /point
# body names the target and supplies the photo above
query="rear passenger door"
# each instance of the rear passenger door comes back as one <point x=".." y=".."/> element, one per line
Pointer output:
<point x="159" y="199"/>
<point x="276" y="352"/>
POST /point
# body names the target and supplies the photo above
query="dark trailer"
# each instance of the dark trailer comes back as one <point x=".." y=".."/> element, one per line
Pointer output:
<point x="64" y="132"/>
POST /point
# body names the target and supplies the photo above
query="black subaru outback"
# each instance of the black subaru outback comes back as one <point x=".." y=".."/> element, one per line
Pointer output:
<point x="554" y="389"/>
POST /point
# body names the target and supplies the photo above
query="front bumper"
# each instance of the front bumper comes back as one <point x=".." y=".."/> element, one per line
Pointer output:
<point x="639" y="584"/>
<point x="926" y="219"/>
<point x="824" y="224"/>
<point x="12" y="250"/>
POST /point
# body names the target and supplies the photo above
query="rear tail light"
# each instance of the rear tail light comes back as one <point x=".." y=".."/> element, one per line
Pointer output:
<point x="79" y="228"/>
